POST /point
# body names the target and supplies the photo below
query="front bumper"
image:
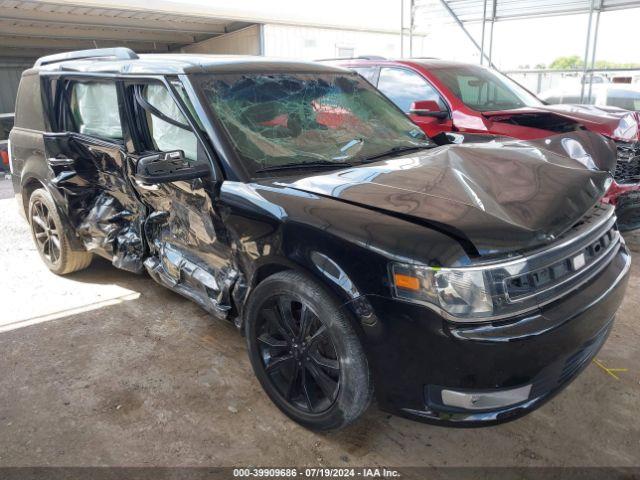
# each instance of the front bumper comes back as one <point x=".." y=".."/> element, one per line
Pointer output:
<point x="415" y="354"/>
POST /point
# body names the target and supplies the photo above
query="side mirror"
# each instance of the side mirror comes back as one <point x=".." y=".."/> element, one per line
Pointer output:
<point x="427" y="108"/>
<point x="168" y="167"/>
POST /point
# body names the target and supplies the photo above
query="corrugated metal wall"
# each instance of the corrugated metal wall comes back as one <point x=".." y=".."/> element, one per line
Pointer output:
<point x="9" y="80"/>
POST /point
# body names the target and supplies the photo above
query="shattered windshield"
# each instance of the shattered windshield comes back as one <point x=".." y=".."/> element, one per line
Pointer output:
<point x="485" y="90"/>
<point x="289" y="120"/>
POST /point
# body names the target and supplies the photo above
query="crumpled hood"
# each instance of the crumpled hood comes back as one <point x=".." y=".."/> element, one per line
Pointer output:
<point x="612" y="122"/>
<point x="493" y="197"/>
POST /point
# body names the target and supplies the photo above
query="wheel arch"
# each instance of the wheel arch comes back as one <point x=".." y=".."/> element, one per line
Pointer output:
<point x="29" y="184"/>
<point x="320" y="267"/>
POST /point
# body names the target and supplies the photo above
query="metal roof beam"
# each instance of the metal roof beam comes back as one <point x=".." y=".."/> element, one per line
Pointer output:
<point x="102" y="21"/>
<point x="471" y="11"/>
<point x="78" y="44"/>
<point x="48" y="29"/>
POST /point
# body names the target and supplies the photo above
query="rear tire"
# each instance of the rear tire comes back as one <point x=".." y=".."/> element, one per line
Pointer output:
<point x="305" y="352"/>
<point x="51" y="237"/>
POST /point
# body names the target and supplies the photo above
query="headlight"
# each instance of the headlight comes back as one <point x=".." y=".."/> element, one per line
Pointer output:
<point x="516" y="286"/>
<point x="459" y="292"/>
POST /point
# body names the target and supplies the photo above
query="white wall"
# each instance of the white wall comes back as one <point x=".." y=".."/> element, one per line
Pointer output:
<point x="241" y="42"/>
<point x="309" y="43"/>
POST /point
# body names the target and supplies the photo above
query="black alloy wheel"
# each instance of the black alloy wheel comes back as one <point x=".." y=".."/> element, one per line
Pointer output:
<point x="45" y="231"/>
<point x="298" y="355"/>
<point x="305" y="351"/>
<point x="52" y="237"/>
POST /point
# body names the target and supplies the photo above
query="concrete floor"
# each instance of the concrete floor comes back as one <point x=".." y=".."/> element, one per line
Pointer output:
<point x="104" y="367"/>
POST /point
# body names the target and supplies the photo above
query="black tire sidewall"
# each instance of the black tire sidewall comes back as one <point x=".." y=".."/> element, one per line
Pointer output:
<point x="354" y="393"/>
<point x="43" y="196"/>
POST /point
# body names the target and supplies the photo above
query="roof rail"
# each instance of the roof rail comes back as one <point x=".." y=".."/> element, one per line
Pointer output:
<point x="359" y="57"/>
<point x="119" y="53"/>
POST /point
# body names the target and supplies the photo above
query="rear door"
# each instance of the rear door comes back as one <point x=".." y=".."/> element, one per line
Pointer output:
<point x="188" y="242"/>
<point x="403" y="87"/>
<point x="87" y="159"/>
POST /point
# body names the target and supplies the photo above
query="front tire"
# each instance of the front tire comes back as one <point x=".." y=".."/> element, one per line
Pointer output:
<point x="50" y="236"/>
<point x="305" y="352"/>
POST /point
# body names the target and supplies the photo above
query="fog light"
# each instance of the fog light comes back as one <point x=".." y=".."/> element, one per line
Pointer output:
<point x="485" y="400"/>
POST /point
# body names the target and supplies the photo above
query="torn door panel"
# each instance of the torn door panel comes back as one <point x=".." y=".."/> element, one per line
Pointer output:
<point x="99" y="201"/>
<point x="186" y="253"/>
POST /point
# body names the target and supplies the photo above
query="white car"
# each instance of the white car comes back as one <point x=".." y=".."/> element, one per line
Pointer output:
<point x="619" y="95"/>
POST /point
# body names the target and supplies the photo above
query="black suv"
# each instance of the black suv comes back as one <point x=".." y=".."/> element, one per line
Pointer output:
<point x="465" y="284"/>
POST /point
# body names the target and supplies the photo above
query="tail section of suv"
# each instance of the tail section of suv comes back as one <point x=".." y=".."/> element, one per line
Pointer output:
<point x="443" y="96"/>
<point x="357" y="257"/>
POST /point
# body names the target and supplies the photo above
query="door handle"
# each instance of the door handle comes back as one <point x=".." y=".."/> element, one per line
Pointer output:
<point x="60" y="162"/>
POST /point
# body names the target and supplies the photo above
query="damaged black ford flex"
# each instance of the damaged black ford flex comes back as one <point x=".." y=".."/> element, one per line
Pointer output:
<point x="463" y="284"/>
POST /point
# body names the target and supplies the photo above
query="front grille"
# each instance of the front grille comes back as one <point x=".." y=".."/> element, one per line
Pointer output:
<point x="556" y="273"/>
<point x="575" y="257"/>
<point x="628" y="165"/>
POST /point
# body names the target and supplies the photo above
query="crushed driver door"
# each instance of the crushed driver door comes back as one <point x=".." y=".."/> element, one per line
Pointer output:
<point x="188" y="247"/>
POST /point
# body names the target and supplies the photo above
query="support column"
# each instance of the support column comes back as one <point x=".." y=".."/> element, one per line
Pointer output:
<point x="412" y="16"/>
<point x="401" y="28"/>
<point x="484" y="24"/>
<point x="594" y="48"/>
<point x="446" y="6"/>
<point x="586" y="52"/>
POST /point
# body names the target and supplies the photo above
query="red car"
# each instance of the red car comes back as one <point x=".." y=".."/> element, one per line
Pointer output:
<point x="443" y="96"/>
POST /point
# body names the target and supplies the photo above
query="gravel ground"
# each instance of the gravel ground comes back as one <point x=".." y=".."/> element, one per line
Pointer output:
<point x="104" y="367"/>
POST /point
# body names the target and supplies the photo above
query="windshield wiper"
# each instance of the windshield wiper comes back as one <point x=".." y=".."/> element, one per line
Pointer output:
<point x="301" y="165"/>
<point x="395" y="151"/>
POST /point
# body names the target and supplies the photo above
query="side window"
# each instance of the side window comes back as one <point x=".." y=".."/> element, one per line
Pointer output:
<point x="628" y="100"/>
<point x="474" y="90"/>
<point x="29" y="113"/>
<point x="369" y="73"/>
<point x="404" y="87"/>
<point x="94" y="109"/>
<point x="167" y="126"/>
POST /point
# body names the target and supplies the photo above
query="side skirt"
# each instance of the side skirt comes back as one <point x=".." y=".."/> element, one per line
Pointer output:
<point x="192" y="281"/>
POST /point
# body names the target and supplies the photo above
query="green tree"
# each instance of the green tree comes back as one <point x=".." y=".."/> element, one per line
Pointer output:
<point x="608" y="64"/>
<point x="575" y="62"/>
<point x="566" y="63"/>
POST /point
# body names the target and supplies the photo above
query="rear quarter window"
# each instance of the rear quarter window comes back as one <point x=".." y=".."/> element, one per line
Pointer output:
<point x="29" y="112"/>
<point x="369" y="73"/>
